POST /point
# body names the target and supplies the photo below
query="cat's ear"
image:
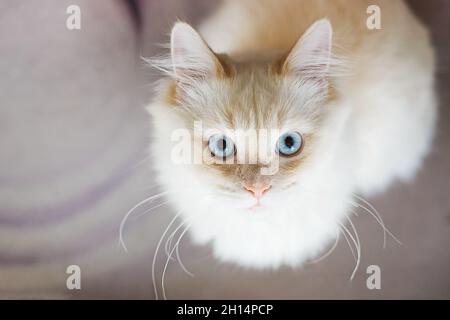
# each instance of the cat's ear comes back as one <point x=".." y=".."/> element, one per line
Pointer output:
<point x="310" y="57"/>
<point x="191" y="56"/>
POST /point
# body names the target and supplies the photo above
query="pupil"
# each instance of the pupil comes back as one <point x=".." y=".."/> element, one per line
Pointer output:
<point x="289" y="141"/>
<point x="222" y="145"/>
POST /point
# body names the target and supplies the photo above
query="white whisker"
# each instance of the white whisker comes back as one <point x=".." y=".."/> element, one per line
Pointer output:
<point x="358" y="246"/>
<point x="167" y="262"/>
<point x="181" y="262"/>
<point x="376" y="215"/>
<point x="348" y="242"/>
<point x="122" y="223"/>
<point x="168" y="243"/>
<point x="156" y="254"/>
<point x="140" y="215"/>
<point x="357" y="250"/>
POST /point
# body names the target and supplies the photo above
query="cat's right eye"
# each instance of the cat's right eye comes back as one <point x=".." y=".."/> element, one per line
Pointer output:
<point x="221" y="146"/>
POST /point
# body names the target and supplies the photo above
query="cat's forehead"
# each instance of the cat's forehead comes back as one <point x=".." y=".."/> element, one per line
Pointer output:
<point x="254" y="97"/>
<point x="251" y="98"/>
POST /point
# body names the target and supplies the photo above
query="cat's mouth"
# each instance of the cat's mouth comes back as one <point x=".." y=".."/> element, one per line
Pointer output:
<point x="257" y="203"/>
<point x="256" y="206"/>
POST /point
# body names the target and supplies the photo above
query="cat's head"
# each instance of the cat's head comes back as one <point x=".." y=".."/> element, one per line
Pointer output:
<point x="258" y="143"/>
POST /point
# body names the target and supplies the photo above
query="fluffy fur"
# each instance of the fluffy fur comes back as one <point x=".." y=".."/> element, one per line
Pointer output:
<point x="362" y="99"/>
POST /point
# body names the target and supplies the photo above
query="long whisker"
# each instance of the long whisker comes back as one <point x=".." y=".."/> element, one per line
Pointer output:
<point x="168" y="243"/>
<point x="170" y="251"/>
<point x="156" y="253"/>
<point x="181" y="262"/>
<point x="177" y="251"/>
<point x="122" y="223"/>
<point x="169" y="240"/>
<point x="376" y="215"/>
<point x="358" y="245"/>
<point x="140" y="215"/>
<point x="168" y="260"/>
<point x="357" y="250"/>
<point x="348" y="242"/>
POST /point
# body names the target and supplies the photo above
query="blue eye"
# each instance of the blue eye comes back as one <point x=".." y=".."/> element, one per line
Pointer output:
<point x="221" y="146"/>
<point x="289" y="144"/>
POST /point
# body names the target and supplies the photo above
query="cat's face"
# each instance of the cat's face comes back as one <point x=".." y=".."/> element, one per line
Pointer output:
<point x="257" y="130"/>
<point x="262" y="131"/>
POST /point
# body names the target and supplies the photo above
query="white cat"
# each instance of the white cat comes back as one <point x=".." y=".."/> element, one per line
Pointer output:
<point x="355" y="109"/>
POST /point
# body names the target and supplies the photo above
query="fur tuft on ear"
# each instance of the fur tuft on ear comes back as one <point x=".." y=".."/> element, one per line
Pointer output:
<point x="191" y="56"/>
<point x="311" y="55"/>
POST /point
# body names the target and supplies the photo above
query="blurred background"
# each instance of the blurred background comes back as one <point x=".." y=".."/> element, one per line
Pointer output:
<point x="74" y="136"/>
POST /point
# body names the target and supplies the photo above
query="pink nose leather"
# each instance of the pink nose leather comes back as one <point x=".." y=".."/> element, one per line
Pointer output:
<point x="258" y="189"/>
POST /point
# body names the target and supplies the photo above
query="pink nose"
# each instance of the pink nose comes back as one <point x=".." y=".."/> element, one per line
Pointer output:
<point x="258" y="189"/>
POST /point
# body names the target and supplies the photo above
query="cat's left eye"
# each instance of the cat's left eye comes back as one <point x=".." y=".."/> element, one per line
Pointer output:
<point x="289" y="144"/>
<point x="221" y="146"/>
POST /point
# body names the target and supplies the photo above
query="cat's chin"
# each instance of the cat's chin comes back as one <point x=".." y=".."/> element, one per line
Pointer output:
<point x="270" y="249"/>
<point x="264" y="236"/>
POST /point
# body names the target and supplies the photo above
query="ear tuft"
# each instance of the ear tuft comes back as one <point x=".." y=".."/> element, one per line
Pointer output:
<point x="310" y="57"/>
<point x="191" y="56"/>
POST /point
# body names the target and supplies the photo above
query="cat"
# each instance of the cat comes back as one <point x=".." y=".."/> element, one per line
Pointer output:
<point x="355" y="110"/>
